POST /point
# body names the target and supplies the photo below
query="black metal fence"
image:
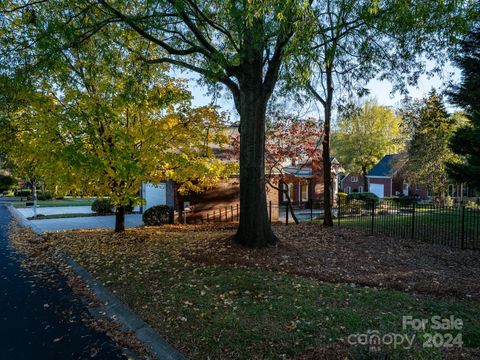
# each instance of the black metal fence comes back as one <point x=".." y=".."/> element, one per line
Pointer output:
<point x="455" y="225"/>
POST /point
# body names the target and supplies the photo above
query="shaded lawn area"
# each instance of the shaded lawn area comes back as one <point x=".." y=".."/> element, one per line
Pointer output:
<point x="212" y="298"/>
<point x="57" y="203"/>
<point x="443" y="226"/>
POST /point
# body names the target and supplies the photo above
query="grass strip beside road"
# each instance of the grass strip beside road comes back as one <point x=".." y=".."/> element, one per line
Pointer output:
<point x="56" y="203"/>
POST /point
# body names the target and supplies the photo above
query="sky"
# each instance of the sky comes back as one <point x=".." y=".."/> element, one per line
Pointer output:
<point x="380" y="90"/>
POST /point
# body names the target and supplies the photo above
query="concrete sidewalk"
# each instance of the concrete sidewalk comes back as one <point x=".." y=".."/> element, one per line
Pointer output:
<point x="90" y="222"/>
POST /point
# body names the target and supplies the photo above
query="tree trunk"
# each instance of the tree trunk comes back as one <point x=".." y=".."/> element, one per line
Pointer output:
<point x="327" y="169"/>
<point x="120" y="219"/>
<point x="254" y="228"/>
<point x="365" y="180"/>
<point x="35" y="198"/>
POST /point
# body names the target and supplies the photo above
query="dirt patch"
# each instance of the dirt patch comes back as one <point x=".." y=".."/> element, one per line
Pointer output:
<point x="345" y="256"/>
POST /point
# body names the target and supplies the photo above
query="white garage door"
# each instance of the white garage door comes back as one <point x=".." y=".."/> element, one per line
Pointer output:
<point x="155" y="194"/>
<point x="377" y="189"/>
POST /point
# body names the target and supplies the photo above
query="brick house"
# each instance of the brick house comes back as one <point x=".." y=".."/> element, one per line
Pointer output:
<point x="304" y="182"/>
<point x="352" y="182"/>
<point x="388" y="178"/>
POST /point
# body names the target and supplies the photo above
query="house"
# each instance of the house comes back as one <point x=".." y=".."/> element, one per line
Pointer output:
<point x="304" y="182"/>
<point x="387" y="178"/>
<point x="380" y="177"/>
<point x="303" y="179"/>
<point x="352" y="182"/>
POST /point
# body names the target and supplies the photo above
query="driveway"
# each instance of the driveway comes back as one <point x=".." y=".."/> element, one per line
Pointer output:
<point x="41" y="320"/>
<point x="89" y="222"/>
<point x="58" y="210"/>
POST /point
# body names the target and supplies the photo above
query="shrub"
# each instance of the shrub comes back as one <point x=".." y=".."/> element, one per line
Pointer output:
<point x="364" y="196"/>
<point x="6" y="182"/>
<point x="342" y="195"/>
<point x="157" y="215"/>
<point x="44" y="196"/>
<point x="449" y="201"/>
<point x="23" y="193"/>
<point x="471" y="204"/>
<point x="401" y="200"/>
<point x="102" y="206"/>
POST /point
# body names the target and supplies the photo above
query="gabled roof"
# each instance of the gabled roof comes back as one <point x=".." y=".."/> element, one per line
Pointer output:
<point x="298" y="171"/>
<point x="386" y="167"/>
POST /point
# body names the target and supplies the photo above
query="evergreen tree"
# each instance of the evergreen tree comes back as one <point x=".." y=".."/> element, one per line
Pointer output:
<point x="466" y="140"/>
<point x="428" y="150"/>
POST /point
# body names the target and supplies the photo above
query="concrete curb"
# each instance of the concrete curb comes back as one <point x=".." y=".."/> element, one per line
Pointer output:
<point x="115" y="310"/>
<point x="22" y="220"/>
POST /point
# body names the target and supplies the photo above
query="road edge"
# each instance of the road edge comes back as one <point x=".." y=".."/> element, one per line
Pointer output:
<point x="22" y="220"/>
<point x="115" y="310"/>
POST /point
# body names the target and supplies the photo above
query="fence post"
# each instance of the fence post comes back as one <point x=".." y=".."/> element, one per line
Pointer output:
<point x="463" y="227"/>
<point x="231" y="213"/>
<point x="311" y="210"/>
<point x="413" y="220"/>
<point x="238" y="216"/>
<point x="213" y="215"/>
<point x="338" y="211"/>
<point x="270" y="210"/>
<point x="286" y="216"/>
<point x="208" y="218"/>
<point x="226" y="214"/>
<point x="373" y="215"/>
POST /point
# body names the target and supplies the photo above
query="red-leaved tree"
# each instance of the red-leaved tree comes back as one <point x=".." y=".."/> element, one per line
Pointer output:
<point x="290" y="143"/>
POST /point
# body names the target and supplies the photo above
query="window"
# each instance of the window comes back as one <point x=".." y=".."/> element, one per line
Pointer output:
<point x="360" y="189"/>
<point x="304" y="189"/>
<point x="289" y="189"/>
<point x="354" y="178"/>
<point x="349" y="189"/>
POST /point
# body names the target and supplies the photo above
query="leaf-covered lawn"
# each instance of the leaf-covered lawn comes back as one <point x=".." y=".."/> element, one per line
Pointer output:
<point x="249" y="310"/>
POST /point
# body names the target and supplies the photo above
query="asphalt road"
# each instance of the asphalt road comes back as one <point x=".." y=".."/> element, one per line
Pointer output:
<point x="39" y="320"/>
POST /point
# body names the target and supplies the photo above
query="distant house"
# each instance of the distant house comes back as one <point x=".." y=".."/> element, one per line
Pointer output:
<point x="380" y="177"/>
<point x="304" y="181"/>
<point x="352" y="182"/>
<point x="388" y="178"/>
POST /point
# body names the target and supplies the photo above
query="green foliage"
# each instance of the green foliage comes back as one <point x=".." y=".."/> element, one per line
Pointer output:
<point x="428" y="152"/>
<point x="23" y="193"/>
<point x="365" y="135"/>
<point x="342" y="195"/>
<point x="367" y="197"/>
<point x="157" y="215"/>
<point x="44" y="196"/>
<point x="466" y="139"/>
<point x="102" y="206"/>
<point x="400" y="200"/>
<point x="95" y="120"/>
<point x="449" y="201"/>
<point x="6" y="183"/>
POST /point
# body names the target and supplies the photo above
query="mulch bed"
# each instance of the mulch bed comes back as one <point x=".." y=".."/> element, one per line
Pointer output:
<point x="340" y="255"/>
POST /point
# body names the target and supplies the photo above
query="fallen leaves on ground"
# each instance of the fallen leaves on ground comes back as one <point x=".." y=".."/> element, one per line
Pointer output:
<point x="44" y="261"/>
<point x="213" y="298"/>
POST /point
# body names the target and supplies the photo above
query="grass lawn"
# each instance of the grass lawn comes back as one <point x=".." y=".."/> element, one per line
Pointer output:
<point x="61" y="216"/>
<point x="439" y="226"/>
<point x="220" y="309"/>
<point x="56" y="203"/>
